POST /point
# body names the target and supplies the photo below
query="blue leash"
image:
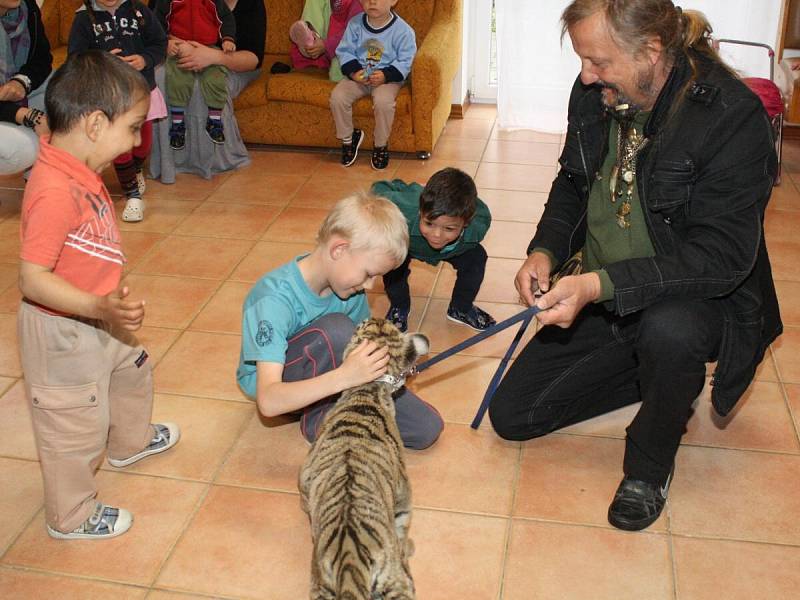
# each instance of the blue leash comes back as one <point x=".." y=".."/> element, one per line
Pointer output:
<point x="525" y="316"/>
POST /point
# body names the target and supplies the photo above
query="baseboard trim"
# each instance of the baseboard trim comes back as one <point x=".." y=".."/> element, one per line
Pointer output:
<point x="791" y="131"/>
<point x="457" y="111"/>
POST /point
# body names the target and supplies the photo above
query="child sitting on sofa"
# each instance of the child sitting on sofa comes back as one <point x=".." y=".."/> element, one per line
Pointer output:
<point x="376" y="53"/>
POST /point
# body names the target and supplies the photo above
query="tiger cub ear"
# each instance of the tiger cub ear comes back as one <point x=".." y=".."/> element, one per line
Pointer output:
<point x="420" y="342"/>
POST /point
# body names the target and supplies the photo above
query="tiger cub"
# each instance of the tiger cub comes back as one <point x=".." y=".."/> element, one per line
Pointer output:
<point x="354" y="487"/>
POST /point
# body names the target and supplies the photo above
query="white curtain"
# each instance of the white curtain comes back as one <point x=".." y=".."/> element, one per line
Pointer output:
<point x="535" y="72"/>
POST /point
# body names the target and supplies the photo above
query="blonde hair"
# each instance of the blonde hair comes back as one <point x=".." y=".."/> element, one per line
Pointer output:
<point x="632" y="23"/>
<point x="368" y="222"/>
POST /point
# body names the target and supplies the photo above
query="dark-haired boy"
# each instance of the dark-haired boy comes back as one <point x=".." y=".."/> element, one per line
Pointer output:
<point x="88" y="380"/>
<point x="446" y="221"/>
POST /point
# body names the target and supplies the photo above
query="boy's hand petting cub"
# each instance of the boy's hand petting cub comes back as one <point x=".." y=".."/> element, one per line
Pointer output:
<point x="116" y="310"/>
<point x="364" y="364"/>
<point x="228" y="46"/>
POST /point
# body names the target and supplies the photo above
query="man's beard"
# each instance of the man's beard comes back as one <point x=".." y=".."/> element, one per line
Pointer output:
<point x="613" y="96"/>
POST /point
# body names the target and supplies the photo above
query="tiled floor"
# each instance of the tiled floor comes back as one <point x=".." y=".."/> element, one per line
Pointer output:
<point x="220" y="517"/>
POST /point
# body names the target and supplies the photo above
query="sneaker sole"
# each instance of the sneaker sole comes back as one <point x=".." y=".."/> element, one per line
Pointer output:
<point x="222" y="143"/>
<point x="449" y="318"/>
<point x="53" y="533"/>
<point x="174" y="438"/>
<point x="628" y="525"/>
<point x="355" y="154"/>
<point x="378" y="168"/>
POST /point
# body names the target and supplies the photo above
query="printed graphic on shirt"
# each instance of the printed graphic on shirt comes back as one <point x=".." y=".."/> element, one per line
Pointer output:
<point x="109" y="31"/>
<point x="96" y="236"/>
<point x="374" y="50"/>
<point x="264" y="333"/>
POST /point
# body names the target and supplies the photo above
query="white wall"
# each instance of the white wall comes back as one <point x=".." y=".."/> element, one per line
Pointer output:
<point x="461" y="81"/>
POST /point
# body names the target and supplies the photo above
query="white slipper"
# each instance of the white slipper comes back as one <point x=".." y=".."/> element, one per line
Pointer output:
<point x="134" y="210"/>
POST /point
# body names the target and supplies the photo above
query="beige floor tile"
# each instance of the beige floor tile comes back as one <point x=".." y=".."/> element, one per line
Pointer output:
<point x="16" y="431"/>
<point x="137" y="244"/>
<point x="157" y="340"/>
<point x="210" y="258"/>
<point x="267" y="455"/>
<point x="6" y="383"/>
<point x="611" y="424"/>
<point x="524" y="135"/>
<point x="228" y="220"/>
<point x="793" y="394"/>
<point x="510" y="205"/>
<point x="323" y="191"/>
<point x="421" y="170"/>
<point x="735" y="494"/>
<point x="223" y="313"/>
<point x="9" y="355"/>
<point x="457" y="556"/>
<point x="10" y="299"/>
<point x="243" y="543"/>
<point x="751" y="570"/>
<point x="571" y="478"/>
<point x="160" y="506"/>
<point x="524" y="178"/>
<point x="508" y="239"/>
<point x="21" y="497"/>
<point x="785" y="196"/>
<point x="165" y="595"/>
<point x="468" y="129"/>
<point x="521" y="153"/>
<point x="786" y="352"/>
<point x="259" y="188"/>
<point x="484" y="112"/>
<point x="171" y="301"/>
<point x="421" y="280"/>
<point x="201" y="364"/>
<point x="208" y="430"/>
<point x="494" y="287"/>
<point x="30" y="585"/>
<point x="282" y="162"/>
<point x="456" y="386"/>
<point x="789" y="300"/>
<point x="766" y="369"/>
<point x="465" y="470"/>
<point x="454" y="148"/>
<point x="160" y="215"/>
<point x="266" y="256"/>
<point x="782" y="258"/>
<point x="760" y="421"/>
<point x="9" y="275"/>
<point x="186" y="187"/>
<point x="9" y="242"/>
<point x="568" y="562"/>
<point x="781" y="225"/>
<point x="445" y="334"/>
<point x="10" y="204"/>
<point x="296" y="225"/>
<point x="361" y="170"/>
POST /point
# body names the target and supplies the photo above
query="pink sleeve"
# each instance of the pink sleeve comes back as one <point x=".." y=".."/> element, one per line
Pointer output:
<point x="336" y="28"/>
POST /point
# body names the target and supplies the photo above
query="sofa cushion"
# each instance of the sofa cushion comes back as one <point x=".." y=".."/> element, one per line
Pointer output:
<point x="67" y="10"/>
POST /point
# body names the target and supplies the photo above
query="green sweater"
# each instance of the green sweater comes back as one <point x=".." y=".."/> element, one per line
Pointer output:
<point x="406" y="197"/>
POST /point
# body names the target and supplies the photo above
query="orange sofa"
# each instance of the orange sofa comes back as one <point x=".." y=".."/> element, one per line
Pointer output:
<point x="292" y="109"/>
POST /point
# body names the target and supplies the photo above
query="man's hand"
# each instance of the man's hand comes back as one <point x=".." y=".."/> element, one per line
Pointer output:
<point x="365" y="363"/>
<point x="12" y="91"/>
<point x="562" y="304"/>
<point x="377" y="78"/>
<point x="533" y="276"/>
<point x="116" y="310"/>
<point x="228" y="46"/>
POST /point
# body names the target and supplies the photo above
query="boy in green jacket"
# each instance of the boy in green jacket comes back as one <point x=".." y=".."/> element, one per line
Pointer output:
<point x="446" y="221"/>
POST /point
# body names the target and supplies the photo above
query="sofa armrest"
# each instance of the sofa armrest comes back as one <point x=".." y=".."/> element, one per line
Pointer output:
<point x="432" y="73"/>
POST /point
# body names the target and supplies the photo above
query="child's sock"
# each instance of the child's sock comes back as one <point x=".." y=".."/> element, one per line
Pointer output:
<point x="176" y="112"/>
<point x="347" y="140"/>
<point x="215" y="114"/>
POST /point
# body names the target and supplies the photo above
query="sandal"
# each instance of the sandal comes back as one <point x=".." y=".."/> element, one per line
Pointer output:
<point x="134" y="210"/>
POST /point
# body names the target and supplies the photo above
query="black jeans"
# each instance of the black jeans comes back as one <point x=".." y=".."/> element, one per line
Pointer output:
<point x="470" y="267"/>
<point x="604" y="362"/>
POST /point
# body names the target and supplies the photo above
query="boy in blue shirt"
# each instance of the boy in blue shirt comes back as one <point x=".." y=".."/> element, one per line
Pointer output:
<point x="376" y="53"/>
<point x="298" y="319"/>
<point x="446" y="221"/>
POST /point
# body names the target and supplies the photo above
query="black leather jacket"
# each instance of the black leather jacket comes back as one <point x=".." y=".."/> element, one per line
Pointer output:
<point x="704" y="181"/>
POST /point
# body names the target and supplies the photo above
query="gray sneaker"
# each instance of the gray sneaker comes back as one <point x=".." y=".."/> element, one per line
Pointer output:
<point x="105" y="522"/>
<point x="165" y="436"/>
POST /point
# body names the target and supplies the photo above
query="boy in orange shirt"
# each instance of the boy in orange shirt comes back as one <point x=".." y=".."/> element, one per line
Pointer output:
<point x="88" y="380"/>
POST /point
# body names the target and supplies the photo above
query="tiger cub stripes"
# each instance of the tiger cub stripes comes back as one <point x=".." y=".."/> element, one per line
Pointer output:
<point x="354" y="487"/>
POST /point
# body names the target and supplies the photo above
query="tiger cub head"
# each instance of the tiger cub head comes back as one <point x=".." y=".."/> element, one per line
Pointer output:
<point x="404" y="348"/>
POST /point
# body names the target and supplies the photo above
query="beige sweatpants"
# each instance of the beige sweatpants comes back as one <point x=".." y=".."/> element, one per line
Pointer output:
<point x="348" y="91"/>
<point x="89" y="389"/>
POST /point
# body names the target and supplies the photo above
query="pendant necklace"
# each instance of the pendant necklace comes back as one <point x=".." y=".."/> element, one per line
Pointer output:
<point x="629" y="143"/>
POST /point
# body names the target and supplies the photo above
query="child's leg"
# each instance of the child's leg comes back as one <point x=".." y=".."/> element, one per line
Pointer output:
<point x="214" y="87"/>
<point x="180" y="85"/>
<point x="66" y="381"/>
<point x="313" y="351"/>
<point x="470" y="268"/>
<point x="383" y="102"/>
<point x="343" y="95"/>
<point x="420" y="424"/>
<point x="130" y="396"/>
<point x="395" y="283"/>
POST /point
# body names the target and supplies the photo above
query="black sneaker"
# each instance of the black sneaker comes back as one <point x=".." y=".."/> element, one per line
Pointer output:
<point x="637" y="504"/>
<point x="215" y="131"/>
<point x="475" y="317"/>
<point x="380" y="157"/>
<point x="350" y="151"/>
<point x="177" y="136"/>
<point x="399" y="317"/>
